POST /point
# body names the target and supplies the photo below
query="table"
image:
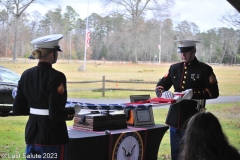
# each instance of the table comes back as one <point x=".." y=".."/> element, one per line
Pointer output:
<point x="138" y="143"/>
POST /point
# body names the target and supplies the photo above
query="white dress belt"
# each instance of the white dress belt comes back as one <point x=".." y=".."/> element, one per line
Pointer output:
<point x="43" y="112"/>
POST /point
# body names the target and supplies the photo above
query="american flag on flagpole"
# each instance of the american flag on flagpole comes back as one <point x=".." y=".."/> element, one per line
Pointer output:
<point x="87" y="38"/>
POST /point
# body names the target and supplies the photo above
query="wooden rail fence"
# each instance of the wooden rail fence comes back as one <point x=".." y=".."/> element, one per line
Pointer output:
<point x="103" y="88"/>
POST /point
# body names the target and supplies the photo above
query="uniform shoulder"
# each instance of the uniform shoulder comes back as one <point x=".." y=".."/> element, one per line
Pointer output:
<point x="176" y="64"/>
<point x="204" y="64"/>
<point x="28" y="70"/>
<point x="57" y="73"/>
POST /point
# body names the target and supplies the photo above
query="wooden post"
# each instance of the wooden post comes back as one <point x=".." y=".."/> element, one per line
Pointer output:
<point x="103" y="86"/>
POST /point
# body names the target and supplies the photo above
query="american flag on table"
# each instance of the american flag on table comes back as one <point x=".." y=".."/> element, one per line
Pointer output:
<point x="140" y="104"/>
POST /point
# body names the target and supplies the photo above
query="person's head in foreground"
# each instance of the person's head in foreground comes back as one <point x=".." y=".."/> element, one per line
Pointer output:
<point x="187" y="49"/>
<point x="204" y="140"/>
<point x="46" y="48"/>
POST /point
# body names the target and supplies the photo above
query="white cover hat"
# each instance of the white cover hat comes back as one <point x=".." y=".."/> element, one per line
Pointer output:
<point x="186" y="43"/>
<point x="50" y="41"/>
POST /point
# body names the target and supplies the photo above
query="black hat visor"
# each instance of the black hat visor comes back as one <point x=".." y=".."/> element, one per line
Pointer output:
<point x="57" y="48"/>
<point x="184" y="49"/>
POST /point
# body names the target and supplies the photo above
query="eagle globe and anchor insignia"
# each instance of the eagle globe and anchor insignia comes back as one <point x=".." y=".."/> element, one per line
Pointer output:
<point x="129" y="146"/>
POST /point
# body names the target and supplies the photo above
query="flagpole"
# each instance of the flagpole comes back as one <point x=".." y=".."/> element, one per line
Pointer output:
<point x="160" y="50"/>
<point x="85" y="52"/>
<point x="160" y="47"/>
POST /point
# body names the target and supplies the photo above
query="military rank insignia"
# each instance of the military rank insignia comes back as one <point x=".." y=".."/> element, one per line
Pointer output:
<point x="60" y="89"/>
<point x="212" y="79"/>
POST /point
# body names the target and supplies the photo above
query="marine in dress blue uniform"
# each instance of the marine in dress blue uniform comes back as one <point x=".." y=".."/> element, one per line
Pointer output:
<point x="191" y="77"/>
<point x="42" y="95"/>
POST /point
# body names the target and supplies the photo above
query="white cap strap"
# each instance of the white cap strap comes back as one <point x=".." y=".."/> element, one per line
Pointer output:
<point x="43" y="112"/>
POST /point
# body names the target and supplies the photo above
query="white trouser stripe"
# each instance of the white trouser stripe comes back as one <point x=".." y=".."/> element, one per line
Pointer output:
<point x="39" y="111"/>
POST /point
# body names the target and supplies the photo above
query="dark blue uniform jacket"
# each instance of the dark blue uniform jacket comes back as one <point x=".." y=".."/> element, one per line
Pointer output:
<point x="43" y="87"/>
<point x="193" y="75"/>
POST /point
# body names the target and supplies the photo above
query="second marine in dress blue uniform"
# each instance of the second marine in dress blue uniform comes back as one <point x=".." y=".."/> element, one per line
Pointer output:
<point x="193" y="78"/>
<point x="193" y="75"/>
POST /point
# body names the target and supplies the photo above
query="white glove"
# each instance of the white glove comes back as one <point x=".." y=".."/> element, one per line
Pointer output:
<point x="178" y="98"/>
<point x="188" y="93"/>
<point x="77" y="108"/>
<point x="167" y="95"/>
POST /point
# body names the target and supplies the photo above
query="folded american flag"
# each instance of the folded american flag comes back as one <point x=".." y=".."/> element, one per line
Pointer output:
<point x="140" y="104"/>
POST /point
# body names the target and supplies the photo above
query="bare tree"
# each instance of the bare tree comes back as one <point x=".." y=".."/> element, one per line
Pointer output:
<point x="184" y="30"/>
<point x="135" y="10"/>
<point x="70" y="18"/>
<point x="168" y="46"/>
<point x="4" y="17"/>
<point x="36" y="17"/>
<point x="232" y="17"/>
<point x="16" y="8"/>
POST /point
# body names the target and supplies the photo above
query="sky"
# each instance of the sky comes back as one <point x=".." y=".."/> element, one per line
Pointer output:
<point x="206" y="14"/>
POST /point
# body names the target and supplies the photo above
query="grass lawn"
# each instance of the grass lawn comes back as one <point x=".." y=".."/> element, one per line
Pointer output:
<point x="12" y="128"/>
<point x="228" y="115"/>
<point x="228" y="77"/>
